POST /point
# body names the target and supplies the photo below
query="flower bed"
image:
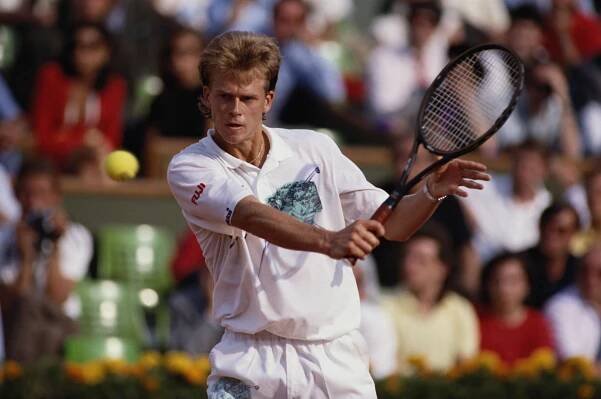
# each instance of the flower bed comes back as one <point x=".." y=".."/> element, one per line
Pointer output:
<point x="176" y="375"/>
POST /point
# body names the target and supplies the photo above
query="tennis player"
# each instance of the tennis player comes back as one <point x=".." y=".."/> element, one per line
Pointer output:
<point x="278" y="213"/>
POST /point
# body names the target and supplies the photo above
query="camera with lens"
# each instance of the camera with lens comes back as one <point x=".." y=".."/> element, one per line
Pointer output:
<point x="41" y="222"/>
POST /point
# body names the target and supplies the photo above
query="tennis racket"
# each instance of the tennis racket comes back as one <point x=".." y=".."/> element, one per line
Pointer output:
<point x="470" y="99"/>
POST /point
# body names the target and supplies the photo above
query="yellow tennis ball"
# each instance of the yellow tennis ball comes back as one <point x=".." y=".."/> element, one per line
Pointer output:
<point x="121" y="165"/>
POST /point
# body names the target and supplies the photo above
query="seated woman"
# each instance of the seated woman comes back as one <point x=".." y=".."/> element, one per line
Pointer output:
<point x="507" y="326"/>
<point x="431" y="322"/>
<point x="79" y="101"/>
<point x="174" y="112"/>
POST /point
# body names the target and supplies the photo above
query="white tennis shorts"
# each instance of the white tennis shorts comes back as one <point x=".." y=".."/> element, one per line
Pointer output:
<point x="263" y="366"/>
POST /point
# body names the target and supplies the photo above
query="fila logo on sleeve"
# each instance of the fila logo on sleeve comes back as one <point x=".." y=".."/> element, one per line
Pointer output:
<point x="199" y="189"/>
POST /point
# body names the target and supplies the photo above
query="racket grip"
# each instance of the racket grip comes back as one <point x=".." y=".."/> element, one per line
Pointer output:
<point x="381" y="215"/>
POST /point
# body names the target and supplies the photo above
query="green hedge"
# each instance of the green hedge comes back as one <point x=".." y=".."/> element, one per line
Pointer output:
<point x="178" y="376"/>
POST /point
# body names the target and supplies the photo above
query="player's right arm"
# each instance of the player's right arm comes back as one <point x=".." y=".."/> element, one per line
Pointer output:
<point x="215" y="201"/>
<point x="356" y="240"/>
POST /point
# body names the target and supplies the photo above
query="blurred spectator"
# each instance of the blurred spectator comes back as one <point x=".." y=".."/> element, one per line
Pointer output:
<point x="79" y="103"/>
<point x="489" y="16"/>
<point x="431" y="322"/>
<point x="449" y="215"/>
<point x="12" y="130"/>
<point x="549" y="263"/>
<point x="376" y="325"/>
<point x="507" y="326"/>
<point x="525" y="34"/>
<point x="188" y="258"/>
<point x="245" y="15"/>
<point x="303" y="71"/>
<point x="30" y="37"/>
<point x="47" y="255"/>
<point x="544" y="113"/>
<point x="507" y="211"/>
<point x="9" y="208"/>
<point x="570" y="35"/>
<point x="174" y="112"/>
<point x="575" y="312"/>
<point x="399" y="72"/>
<point x="192" y="329"/>
<point x="592" y="234"/>
<point x="189" y="13"/>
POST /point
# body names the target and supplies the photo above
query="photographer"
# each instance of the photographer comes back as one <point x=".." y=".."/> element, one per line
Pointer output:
<point x="45" y="257"/>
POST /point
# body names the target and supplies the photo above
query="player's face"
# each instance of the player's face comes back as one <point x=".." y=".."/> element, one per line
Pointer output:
<point x="237" y="104"/>
<point x="509" y="286"/>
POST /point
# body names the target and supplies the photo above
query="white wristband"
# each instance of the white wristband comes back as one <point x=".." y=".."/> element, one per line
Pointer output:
<point x="429" y="195"/>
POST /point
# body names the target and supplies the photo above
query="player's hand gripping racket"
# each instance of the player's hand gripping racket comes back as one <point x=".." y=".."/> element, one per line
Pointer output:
<point x="470" y="99"/>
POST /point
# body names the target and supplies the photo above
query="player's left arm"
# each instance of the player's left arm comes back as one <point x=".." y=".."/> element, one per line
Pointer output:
<point x="414" y="210"/>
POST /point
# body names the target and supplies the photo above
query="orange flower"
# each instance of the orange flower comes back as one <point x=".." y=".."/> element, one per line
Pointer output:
<point x="195" y="376"/>
<point x="178" y="362"/>
<point x="12" y="370"/>
<point x="393" y="385"/>
<point x="574" y="366"/>
<point x="586" y="391"/>
<point x="419" y="364"/>
<point x="544" y="359"/>
<point x="117" y="367"/>
<point x="88" y="373"/>
<point x="150" y="384"/>
<point x="150" y="360"/>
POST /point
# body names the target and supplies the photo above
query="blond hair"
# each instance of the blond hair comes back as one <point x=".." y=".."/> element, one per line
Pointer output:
<point x="240" y="53"/>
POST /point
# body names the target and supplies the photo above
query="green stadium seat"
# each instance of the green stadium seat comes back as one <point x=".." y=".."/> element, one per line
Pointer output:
<point x="139" y="255"/>
<point x="109" y="308"/>
<point x="83" y="348"/>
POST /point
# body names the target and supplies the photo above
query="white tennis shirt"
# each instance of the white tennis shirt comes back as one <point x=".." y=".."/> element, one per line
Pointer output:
<point x="257" y="285"/>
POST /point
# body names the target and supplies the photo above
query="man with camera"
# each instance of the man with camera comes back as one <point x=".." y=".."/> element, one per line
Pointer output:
<point x="46" y="255"/>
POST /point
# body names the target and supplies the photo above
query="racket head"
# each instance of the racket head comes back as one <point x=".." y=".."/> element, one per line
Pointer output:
<point x="470" y="99"/>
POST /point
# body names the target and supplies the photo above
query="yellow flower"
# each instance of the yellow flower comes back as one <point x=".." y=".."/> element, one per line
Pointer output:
<point x="92" y="373"/>
<point x="202" y="363"/>
<point x="524" y="368"/>
<point x="150" y="360"/>
<point x="419" y="364"/>
<point x="543" y="359"/>
<point x="150" y="384"/>
<point x="117" y="367"/>
<point x="574" y="366"/>
<point x="195" y="376"/>
<point x="490" y="361"/>
<point x="586" y="391"/>
<point x="393" y="385"/>
<point x="88" y="373"/>
<point x="178" y="362"/>
<point x="12" y="370"/>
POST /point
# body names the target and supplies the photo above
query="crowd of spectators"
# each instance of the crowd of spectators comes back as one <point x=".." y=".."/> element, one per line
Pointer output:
<point x="513" y="268"/>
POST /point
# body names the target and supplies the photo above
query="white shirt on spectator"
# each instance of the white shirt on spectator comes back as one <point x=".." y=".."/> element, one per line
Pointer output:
<point x="75" y="249"/>
<point x="9" y="207"/>
<point x="376" y="325"/>
<point x="257" y="285"/>
<point x="575" y="324"/>
<point x="502" y="223"/>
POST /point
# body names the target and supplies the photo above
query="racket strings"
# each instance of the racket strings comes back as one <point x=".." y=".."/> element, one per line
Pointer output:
<point x="470" y="99"/>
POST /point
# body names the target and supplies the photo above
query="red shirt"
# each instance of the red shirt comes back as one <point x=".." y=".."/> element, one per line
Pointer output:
<point x="56" y="138"/>
<point x="514" y="342"/>
<point x="585" y="33"/>
<point x="188" y="257"/>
